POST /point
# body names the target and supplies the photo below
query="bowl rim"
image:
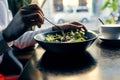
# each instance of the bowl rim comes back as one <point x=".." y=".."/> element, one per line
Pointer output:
<point x="111" y="25"/>
<point x="96" y="36"/>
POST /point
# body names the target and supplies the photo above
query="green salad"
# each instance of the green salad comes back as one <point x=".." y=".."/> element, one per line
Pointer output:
<point x="71" y="36"/>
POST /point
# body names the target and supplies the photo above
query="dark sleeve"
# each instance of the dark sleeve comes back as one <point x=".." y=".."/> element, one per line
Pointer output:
<point x="3" y="45"/>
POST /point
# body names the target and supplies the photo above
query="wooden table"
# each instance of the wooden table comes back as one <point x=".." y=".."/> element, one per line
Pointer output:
<point x="99" y="62"/>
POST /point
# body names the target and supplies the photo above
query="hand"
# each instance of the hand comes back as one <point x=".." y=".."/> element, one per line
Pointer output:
<point x="71" y="26"/>
<point x="25" y="18"/>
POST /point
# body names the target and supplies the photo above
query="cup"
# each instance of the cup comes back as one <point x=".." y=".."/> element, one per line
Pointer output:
<point x="110" y="31"/>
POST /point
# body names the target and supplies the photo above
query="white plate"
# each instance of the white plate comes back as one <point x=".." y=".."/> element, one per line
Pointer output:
<point x="110" y="41"/>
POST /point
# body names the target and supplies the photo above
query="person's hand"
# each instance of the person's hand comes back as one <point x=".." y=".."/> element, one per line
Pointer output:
<point x="70" y="26"/>
<point x="25" y="18"/>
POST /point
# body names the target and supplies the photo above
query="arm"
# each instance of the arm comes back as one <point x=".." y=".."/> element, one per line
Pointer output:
<point x="27" y="39"/>
<point x="31" y="14"/>
<point x="25" y="18"/>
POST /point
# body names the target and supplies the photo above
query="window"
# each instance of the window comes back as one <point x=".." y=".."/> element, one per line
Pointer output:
<point x="82" y="10"/>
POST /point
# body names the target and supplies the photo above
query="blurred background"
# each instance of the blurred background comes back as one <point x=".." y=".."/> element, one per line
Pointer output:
<point x="84" y="11"/>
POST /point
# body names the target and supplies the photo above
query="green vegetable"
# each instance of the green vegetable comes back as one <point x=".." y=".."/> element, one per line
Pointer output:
<point x="77" y="36"/>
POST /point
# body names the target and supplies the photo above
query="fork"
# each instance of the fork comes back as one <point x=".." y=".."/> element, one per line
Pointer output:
<point x="52" y="23"/>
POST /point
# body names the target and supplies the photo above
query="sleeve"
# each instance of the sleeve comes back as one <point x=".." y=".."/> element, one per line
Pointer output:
<point x="4" y="20"/>
<point x="1" y="57"/>
<point x="27" y="39"/>
<point x="3" y="46"/>
<point x="4" y="17"/>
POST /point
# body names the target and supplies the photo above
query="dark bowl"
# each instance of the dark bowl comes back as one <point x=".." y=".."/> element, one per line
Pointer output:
<point x="68" y="47"/>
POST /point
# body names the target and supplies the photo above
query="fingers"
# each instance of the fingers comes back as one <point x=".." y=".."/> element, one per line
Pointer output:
<point x="79" y="25"/>
<point x="32" y="15"/>
<point x="76" y="23"/>
<point x="69" y="27"/>
<point x="26" y="12"/>
<point x="84" y="28"/>
<point x="39" y="24"/>
<point x="33" y="7"/>
<point x="33" y="19"/>
<point x="36" y="23"/>
<point x="72" y="27"/>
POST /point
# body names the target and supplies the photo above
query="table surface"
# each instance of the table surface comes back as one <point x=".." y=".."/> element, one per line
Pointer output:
<point x="100" y="62"/>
